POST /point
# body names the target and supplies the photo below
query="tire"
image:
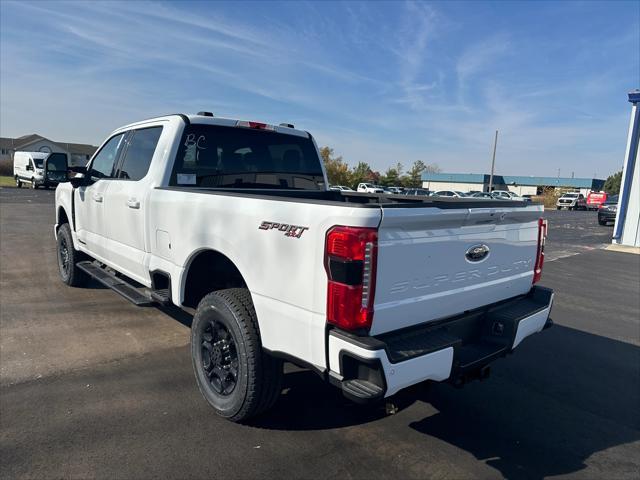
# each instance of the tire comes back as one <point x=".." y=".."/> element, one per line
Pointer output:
<point x="234" y="374"/>
<point x="68" y="258"/>
<point x="558" y="208"/>
<point x="18" y="183"/>
<point x="602" y="222"/>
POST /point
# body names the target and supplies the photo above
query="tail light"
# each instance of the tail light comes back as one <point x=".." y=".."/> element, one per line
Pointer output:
<point x="255" y="125"/>
<point x="350" y="260"/>
<point x="542" y="236"/>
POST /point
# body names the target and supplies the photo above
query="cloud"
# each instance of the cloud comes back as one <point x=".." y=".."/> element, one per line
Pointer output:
<point x="479" y="57"/>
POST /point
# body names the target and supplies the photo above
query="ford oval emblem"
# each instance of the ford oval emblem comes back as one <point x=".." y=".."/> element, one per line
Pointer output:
<point x="477" y="253"/>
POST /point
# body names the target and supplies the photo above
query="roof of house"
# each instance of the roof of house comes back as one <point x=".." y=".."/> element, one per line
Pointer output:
<point x="513" y="180"/>
<point x="24" y="141"/>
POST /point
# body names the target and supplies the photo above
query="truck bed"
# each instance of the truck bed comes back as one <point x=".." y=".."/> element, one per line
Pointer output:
<point x="356" y="199"/>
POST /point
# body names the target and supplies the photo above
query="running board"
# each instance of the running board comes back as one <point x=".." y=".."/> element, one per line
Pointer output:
<point x="142" y="297"/>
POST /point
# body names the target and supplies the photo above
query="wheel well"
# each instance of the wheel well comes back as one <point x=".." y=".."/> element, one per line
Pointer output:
<point x="62" y="217"/>
<point x="209" y="271"/>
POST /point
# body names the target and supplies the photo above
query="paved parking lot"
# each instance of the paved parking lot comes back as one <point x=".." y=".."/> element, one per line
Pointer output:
<point x="92" y="386"/>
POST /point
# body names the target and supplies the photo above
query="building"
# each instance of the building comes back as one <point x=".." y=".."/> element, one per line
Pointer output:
<point x="78" y="153"/>
<point x="467" y="182"/>
<point x="627" y="228"/>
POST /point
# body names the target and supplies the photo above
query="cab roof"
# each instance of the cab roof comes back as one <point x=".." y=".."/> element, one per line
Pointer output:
<point x="201" y="119"/>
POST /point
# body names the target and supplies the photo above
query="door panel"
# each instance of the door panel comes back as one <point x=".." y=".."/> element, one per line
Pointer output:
<point x="125" y="207"/>
<point x="90" y="199"/>
<point x="90" y="225"/>
<point x="125" y="217"/>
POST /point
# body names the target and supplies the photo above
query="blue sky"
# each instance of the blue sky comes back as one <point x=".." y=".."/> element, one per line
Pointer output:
<point x="378" y="82"/>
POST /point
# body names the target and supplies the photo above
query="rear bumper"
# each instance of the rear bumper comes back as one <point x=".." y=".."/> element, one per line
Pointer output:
<point x="456" y="349"/>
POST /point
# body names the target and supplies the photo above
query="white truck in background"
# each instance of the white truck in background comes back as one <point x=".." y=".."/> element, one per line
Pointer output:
<point x="369" y="188"/>
<point x="233" y="222"/>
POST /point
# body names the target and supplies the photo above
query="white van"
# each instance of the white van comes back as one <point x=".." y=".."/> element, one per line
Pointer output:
<point x="39" y="169"/>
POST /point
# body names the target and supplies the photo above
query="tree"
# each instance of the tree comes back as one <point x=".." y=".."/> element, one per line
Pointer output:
<point x="612" y="184"/>
<point x="414" y="175"/>
<point x="338" y="171"/>
<point x="361" y="173"/>
<point x="392" y="176"/>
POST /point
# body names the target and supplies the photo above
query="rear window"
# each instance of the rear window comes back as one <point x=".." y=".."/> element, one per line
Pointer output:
<point x="236" y="157"/>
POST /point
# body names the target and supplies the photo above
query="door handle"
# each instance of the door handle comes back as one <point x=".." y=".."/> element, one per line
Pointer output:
<point x="133" y="203"/>
<point x="97" y="197"/>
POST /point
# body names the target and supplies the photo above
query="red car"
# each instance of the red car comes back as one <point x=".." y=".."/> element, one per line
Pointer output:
<point x="595" y="199"/>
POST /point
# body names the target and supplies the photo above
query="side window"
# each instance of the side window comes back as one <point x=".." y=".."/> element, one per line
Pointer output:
<point x="102" y="165"/>
<point x="139" y="153"/>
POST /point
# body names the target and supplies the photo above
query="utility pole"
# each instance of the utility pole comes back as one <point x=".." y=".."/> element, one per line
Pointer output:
<point x="493" y="162"/>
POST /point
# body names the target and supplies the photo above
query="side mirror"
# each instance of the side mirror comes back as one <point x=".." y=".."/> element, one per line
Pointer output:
<point x="77" y="180"/>
<point x="29" y="168"/>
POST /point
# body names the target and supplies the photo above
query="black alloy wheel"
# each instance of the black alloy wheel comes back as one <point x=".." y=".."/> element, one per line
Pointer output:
<point x="219" y="357"/>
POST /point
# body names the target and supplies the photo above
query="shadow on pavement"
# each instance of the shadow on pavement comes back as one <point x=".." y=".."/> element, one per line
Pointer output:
<point x="546" y="416"/>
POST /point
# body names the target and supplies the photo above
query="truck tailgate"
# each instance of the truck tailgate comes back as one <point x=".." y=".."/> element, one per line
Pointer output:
<point x="424" y="272"/>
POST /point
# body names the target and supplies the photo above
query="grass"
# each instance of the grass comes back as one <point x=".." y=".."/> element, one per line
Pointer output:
<point x="7" y="182"/>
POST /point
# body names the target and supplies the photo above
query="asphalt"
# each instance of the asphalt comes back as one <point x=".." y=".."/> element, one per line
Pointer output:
<point x="92" y="386"/>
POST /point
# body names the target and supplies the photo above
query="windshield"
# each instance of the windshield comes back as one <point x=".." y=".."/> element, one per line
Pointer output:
<point x="612" y="199"/>
<point x="39" y="162"/>
<point x="235" y="157"/>
<point x="570" y="195"/>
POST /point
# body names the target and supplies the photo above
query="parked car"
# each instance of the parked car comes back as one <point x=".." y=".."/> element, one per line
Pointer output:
<point x="341" y="188"/>
<point x="395" y="190"/>
<point x="416" y="191"/>
<point x="449" y="193"/>
<point x="507" y="195"/>
<point x="481" y="195"/>
<point x="232" y="222"/>
<point x="607" y="211"/>
<point x="369" y="188"/>
<point x="572" y="201"/>
<point x="595" y="199"/>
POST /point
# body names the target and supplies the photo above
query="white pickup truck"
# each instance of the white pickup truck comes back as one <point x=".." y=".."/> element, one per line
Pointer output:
<point x="233" y="222"/>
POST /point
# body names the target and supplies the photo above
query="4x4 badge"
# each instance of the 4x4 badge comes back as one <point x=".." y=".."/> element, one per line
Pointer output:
<point x="294" y="231"/>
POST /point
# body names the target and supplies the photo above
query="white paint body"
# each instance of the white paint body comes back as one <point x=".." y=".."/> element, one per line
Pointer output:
<point x="25" y="166"/>
<point x="369" y="188"/>
<point x="137" y="227"/>
<point x="572" y="200"/>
